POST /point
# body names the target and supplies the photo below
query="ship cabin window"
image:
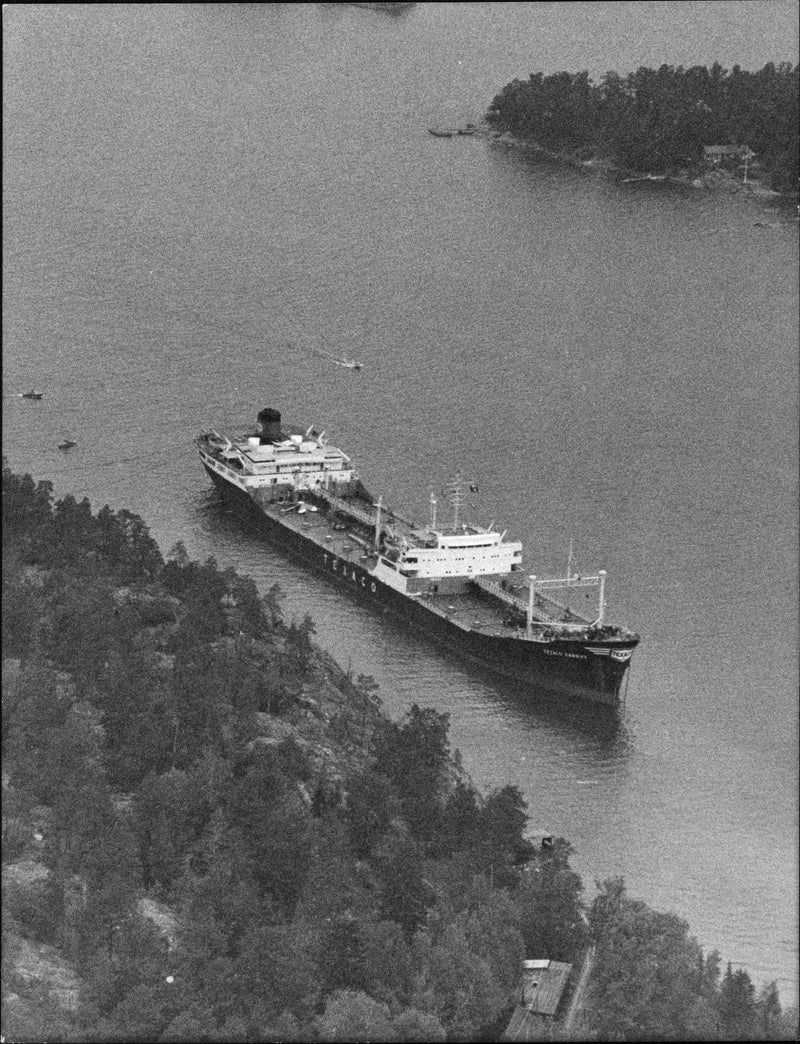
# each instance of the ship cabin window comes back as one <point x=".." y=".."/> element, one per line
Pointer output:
<point x="234" y="462"/>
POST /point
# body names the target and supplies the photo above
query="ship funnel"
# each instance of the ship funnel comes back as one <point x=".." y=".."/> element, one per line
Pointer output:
<point x="269" y="422"/>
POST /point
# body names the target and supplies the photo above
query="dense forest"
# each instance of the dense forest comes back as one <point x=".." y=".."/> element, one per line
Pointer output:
<point x="220" y="834"/>
<point x="659" y="120"/>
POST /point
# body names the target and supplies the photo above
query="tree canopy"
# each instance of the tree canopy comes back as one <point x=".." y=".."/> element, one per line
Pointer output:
<point x="325" y="874"/>
<point x="661" y="119"/>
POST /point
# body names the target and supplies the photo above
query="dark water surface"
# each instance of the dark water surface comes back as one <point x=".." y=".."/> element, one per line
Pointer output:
<point x="199" y="196"/>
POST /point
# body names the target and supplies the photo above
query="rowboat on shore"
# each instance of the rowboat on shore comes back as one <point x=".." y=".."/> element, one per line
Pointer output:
<point x="645" y="177"/>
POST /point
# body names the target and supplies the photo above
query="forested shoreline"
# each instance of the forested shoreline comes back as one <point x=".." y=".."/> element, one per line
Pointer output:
<point x="219" y="833"/>
<point x="660" y="120"/>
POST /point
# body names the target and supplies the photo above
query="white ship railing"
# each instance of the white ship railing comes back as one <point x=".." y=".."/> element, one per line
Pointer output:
<point x="537" y="586"/>
<point x="364" y="515"/>
<point x="347" y="507"/>
<point x="532" y="606"/>
<point x="496" y="589"/>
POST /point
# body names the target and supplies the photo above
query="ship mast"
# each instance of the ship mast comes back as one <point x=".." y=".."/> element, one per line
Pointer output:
<point x="456" y="494"/>
<point x="601" y="612"/>
<point x="378" y="507"/>
<point x="433" y="513"/>
<point x="531" y="602"/>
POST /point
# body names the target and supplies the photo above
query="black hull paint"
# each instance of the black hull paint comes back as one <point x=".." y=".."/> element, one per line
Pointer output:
<point x="560" y="668"/>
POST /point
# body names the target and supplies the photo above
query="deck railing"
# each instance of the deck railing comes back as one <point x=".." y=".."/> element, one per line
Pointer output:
<point x="542" y="613"/>
<point x="496" y="589"/>
<point x="347" y="507"/>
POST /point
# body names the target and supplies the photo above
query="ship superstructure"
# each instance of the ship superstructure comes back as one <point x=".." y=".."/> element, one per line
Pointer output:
<point x="463" y="584"/>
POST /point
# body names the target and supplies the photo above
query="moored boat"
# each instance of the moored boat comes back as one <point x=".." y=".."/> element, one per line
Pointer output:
<point x="390" y="8"/>
<point x="462" y="585"/>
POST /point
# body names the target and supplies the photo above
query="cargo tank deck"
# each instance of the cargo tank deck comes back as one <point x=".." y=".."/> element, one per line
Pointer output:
<point x="476" y="605"/>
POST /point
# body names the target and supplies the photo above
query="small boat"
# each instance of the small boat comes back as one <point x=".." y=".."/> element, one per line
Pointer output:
<point x="645" y="177"/>
<point x="31" y="395"/>
<point x="349" y="364"/>
<point x="388" y="7"/>
<point x="440" y="133"/>
<point x="66" y="444"/>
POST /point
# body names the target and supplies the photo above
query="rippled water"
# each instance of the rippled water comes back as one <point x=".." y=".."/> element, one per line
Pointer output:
<point x="198" y="197"/>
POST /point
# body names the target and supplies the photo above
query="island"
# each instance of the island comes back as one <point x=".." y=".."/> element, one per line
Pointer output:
<point x="698" y="125"/>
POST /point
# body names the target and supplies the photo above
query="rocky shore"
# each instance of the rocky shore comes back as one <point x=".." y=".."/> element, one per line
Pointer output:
<point x="714" y="179"/>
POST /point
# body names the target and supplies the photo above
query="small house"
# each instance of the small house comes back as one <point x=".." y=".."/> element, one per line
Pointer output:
<point x="541" y="839"/>
<point x="718" y="154"/>
<point x="541" y="991"/>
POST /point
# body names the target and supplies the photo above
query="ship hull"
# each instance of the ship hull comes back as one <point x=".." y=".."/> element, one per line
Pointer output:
<point x="563" y="668"/>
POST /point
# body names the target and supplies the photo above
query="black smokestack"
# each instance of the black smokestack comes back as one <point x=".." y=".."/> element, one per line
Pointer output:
<point x="270" y="424"/>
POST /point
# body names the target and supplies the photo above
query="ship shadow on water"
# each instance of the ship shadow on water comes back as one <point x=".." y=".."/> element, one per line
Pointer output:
<point x="244" y="537"/>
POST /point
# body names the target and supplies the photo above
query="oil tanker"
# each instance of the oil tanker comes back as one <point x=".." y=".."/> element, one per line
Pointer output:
<point x="462" y="585"/>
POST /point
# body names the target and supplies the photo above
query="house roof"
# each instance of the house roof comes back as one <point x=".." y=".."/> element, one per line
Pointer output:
<point x="524" y="1026"/>
<point x="724" y="150"/>
<point x="543" y="982"/>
